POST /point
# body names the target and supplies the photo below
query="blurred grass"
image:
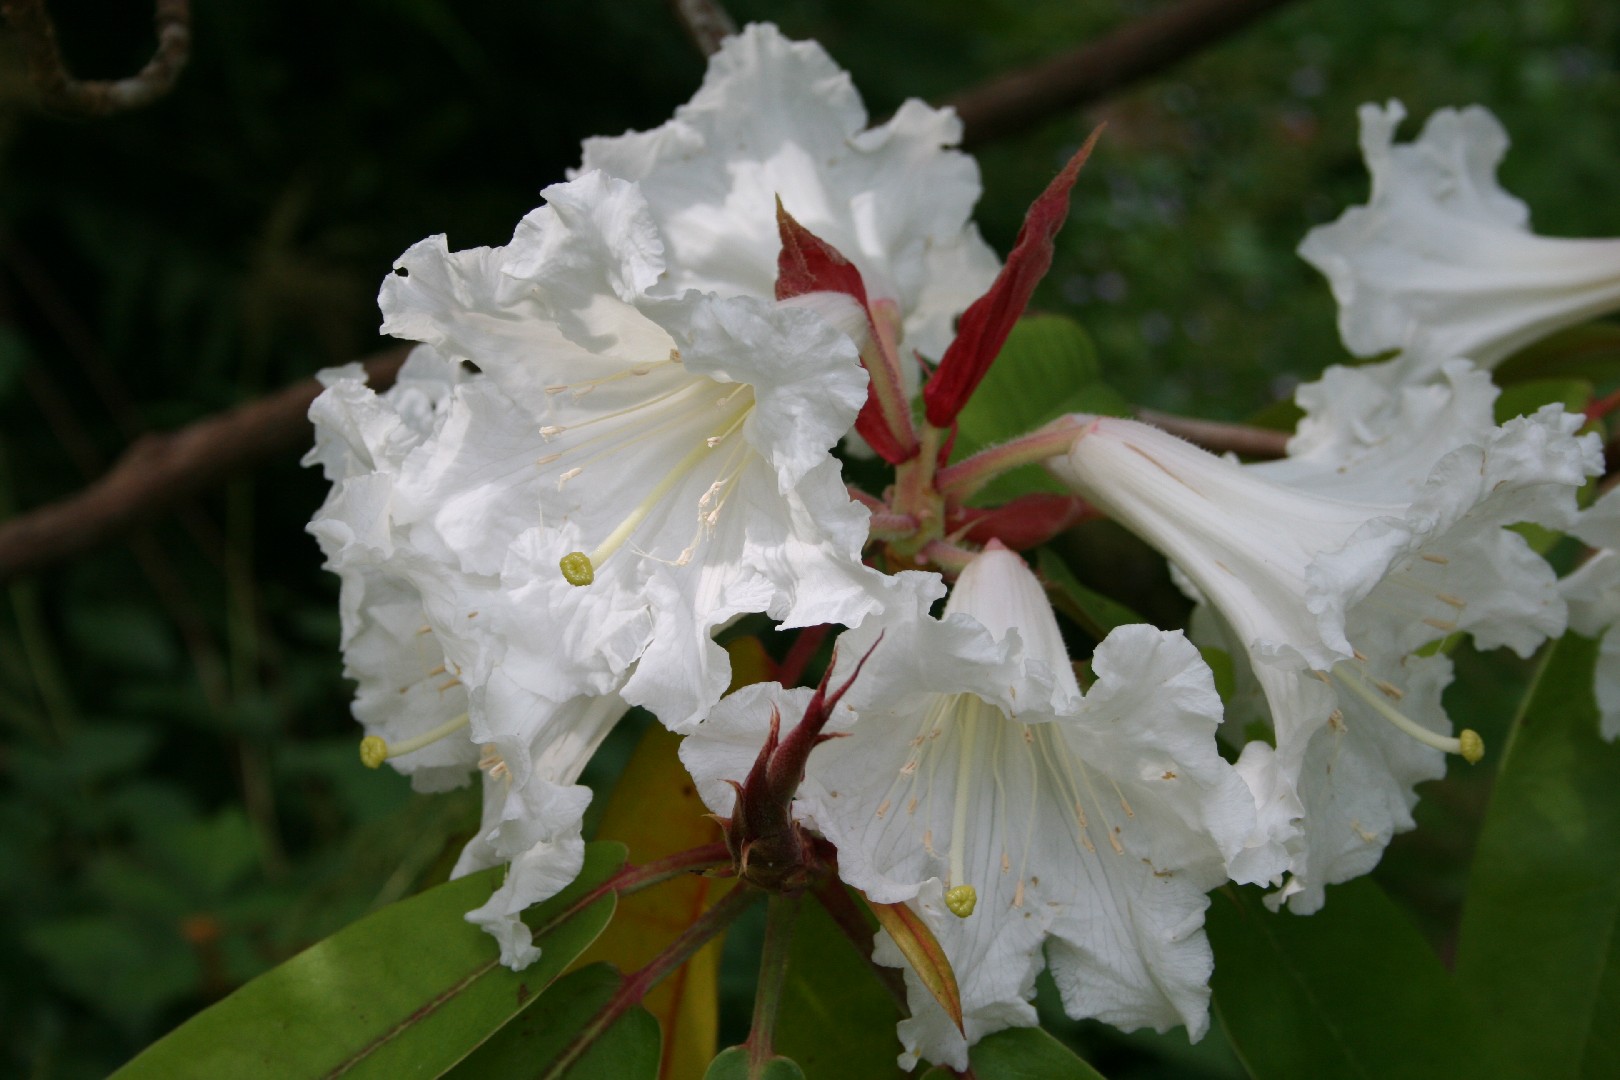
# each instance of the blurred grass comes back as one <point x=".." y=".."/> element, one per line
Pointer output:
<point x="180" y="804"/>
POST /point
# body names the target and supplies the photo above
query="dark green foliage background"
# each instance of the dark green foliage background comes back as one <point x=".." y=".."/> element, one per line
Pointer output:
<point x="180" y="802"/>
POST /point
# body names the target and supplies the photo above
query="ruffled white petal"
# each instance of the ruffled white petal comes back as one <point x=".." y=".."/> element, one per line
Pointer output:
<point x="778" y="118"/>
<point x="1593" y="595"/>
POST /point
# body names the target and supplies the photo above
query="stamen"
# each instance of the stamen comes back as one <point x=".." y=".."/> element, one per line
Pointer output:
<point x="374" y="749"/>
<point x="1468" y="744"/>
<point x="1439" y="560"/>
<point x="492" y="763"/>
<point x="1440" y="624"/>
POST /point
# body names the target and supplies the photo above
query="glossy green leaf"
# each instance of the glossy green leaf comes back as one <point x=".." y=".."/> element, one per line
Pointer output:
<point x="732" y="1064"/>
<point x="1539" y="940"/>
<point x="525" y="1048"/>
<point x="1094" y="612"/>
<point x="1523" y="399"/>
<point x="405" y="992"/>
<point x="1352" y="991"/>
<point x="836" y="1020"/>
<point x="1022" y="1054"/>
<point x="1590" y="352"/>
<point x="1048" y="367"/>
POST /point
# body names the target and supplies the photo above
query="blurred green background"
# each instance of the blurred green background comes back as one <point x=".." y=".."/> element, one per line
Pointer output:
<point x="180" y="801"/>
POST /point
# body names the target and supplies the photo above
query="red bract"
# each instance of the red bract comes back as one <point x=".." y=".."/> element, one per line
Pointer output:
<point x="809" y="264"/>
<point x="1025" y="522"/>
<point x="987" y="322"/>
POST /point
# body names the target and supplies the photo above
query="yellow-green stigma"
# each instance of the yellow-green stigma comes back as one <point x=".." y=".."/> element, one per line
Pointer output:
<point x="1468" y="745"/>
<point x="577" y="568"/>
<point x="961" y="899"/>
<point x="373" y="751"/>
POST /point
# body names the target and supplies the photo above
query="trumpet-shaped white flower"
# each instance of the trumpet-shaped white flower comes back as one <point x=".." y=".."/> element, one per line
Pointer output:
<point x="1441" y="252"/>
<point x="976" y="783"/>
<point x="777" y="118"/>
<point x="637" y="470"/>
<point x="1593" y="594"/>
<point x="1326" y="584"/>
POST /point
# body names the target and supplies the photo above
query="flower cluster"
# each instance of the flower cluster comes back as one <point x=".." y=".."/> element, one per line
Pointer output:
<point x="617" y="436"/>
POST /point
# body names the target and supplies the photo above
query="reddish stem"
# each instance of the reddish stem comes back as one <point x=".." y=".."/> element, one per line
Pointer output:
<point x="635" y="878"/>
<point x="791" y="670"/>
<point x="637" y="985"/>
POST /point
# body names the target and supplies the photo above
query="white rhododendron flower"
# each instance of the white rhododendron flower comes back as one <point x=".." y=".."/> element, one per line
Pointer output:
<point x="977" y="783"/>
<point x="427" y="644"/>
<point x="1441" y="252"/>
<point x="1332" y="567"/>
<point x="636" y="470"/>
<point x="1593" y="594"/>
<point x="778" y="119"/>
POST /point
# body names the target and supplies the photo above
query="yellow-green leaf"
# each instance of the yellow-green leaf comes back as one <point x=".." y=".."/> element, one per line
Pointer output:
<point x="655" y="811"/>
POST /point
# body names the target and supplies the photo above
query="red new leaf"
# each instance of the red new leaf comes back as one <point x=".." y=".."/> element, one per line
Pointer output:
<point x="809" y="264"/>
<point x="1025" y="522"/>
<point x="987" y="322"/>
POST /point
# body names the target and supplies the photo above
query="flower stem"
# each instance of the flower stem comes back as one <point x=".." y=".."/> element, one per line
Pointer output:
<point x="783" y="910"/>
<point x="633" y="879"/>
<point x="791" y="670"/>
<point x="961" y="480"/>
<point x="1218" y="437"/>
<point x="637" y="985"/>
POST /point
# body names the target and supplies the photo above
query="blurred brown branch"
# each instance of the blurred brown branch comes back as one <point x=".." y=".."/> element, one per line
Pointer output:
<point x="1218" y="437"/>
<point x="707" y="23"/>
<point x="100" y="97"/>
<point x="158" y="471"/>
<point x="1018" y="100"/>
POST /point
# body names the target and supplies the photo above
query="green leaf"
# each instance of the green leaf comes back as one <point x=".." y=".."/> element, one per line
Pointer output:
<point x="1590" y="352"/>
<point x="405" y="992"/>
<point x="732" y="1064"/>
<point x="836" y="1020"/>
<point x="1048" y="367"/>
<point x="630" y="1049"/>
<point x="1523" y="399"/>
<point x="1539" y="940"/>
<point x="1093" y="611"/>
<point x="1026" y="1054"/>
<point x="1352" y="991"/>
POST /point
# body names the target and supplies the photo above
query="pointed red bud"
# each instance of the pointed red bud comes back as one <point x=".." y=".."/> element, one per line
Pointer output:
<point x="984" y="326"/>
<point x="809" y="264"/>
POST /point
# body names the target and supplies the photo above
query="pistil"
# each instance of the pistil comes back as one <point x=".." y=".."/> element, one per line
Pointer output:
<point x="1468" y="744"/>
<point x="374" y="749"/>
